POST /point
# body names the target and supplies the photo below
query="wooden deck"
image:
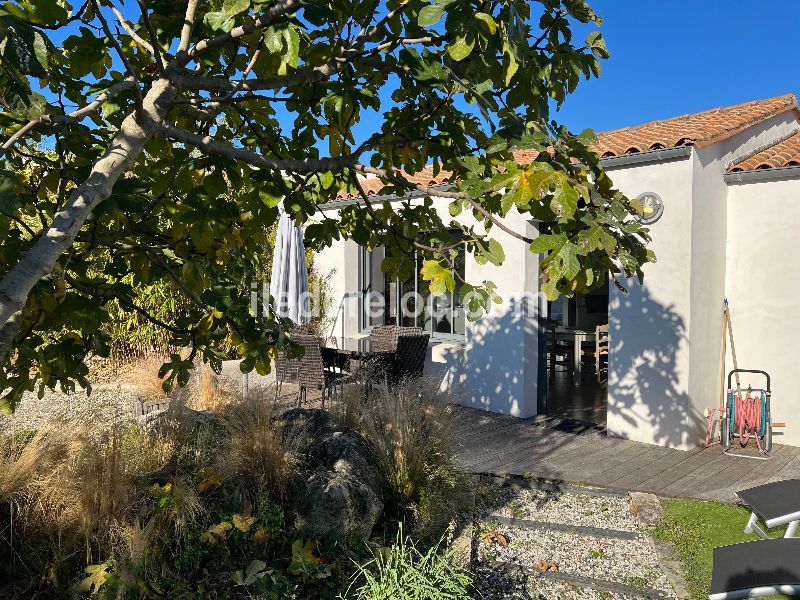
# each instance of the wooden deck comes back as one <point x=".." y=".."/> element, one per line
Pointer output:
<point x="575" y="452"/>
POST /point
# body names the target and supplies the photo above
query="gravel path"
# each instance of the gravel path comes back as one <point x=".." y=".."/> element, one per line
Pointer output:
<point x="109" y="404"/>
<point x="510" y="571"/>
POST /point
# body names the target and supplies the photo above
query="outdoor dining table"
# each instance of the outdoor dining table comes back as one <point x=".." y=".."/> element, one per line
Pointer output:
<point x="578" y="337"/>
<point x="336" y="351"/>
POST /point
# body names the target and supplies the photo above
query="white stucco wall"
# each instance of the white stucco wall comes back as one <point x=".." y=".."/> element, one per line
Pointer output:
<point x="763" y="288"/>
<point x="708" y="270"/>
<point x="665" y="356"/>
<point x="649" y="358"/>
<point x="496" y="366"/>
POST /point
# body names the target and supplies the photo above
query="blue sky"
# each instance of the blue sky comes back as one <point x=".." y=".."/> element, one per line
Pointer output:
<point x="675" y="57"/>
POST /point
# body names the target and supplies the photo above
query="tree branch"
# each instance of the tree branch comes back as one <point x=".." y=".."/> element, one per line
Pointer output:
<point x="220" y="85"/>
<point x="70" y="118"/>
<point x="37" y="262"/>
<point x="137" y="92"/>
<point x="209" y="144"/>
<point x="151" y="47"/>
<point x="259" y="23"/>
<point x="186" y="30"/>
<point x="123" y="22"/>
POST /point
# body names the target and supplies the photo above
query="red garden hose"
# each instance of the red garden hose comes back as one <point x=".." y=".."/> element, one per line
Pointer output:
<point x="747" y="418"/>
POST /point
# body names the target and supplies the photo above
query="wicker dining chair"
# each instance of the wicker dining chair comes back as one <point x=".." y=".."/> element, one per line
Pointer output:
<point x="383" y="338"/>
<point x="409" y="359"/>
<point x="406" y="331"/>
<point x="286" y="371"/>
<point x="312" y="373"/>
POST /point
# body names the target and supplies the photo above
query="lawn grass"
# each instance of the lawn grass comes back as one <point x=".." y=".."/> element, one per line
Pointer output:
<point x="695" y="528"/>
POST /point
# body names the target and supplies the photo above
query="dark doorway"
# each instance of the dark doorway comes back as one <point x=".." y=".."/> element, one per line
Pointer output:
<point x="575" y="361"/>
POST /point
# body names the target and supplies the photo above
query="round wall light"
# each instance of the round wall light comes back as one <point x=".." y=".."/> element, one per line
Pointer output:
<point x="652" y="207"/>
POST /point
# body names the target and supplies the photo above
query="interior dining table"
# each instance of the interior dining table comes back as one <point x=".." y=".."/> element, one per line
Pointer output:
<point x="578" y="337"/>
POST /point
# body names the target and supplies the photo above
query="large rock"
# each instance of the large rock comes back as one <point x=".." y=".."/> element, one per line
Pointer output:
<point x="302" y="427"/>
<point x="645" y="507"/>
<point x="339" y="485"/>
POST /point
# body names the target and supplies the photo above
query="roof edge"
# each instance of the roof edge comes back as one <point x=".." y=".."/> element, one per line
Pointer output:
<point x="650" y="156"/>
<point x="773" y="174"/>
<point x="763" y="147"/>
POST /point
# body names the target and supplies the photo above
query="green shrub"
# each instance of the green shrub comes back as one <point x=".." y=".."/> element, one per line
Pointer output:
<point x="402" y="571"/>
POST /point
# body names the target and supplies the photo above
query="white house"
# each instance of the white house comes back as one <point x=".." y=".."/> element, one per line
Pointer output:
<point x="728" y="181"/>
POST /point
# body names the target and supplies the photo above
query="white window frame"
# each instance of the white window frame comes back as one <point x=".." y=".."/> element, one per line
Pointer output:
<point x="365" y="284"/>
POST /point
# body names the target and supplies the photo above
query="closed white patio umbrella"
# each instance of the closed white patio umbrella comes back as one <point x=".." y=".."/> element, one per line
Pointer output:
<point x="289" y="284"/>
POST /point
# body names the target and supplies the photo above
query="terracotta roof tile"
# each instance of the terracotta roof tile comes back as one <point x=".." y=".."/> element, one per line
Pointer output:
<point x="700" y="129"/>
<point x="785" y="153"/>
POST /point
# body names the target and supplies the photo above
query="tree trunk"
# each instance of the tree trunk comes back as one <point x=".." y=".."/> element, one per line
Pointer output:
<point x="125" y="148"/>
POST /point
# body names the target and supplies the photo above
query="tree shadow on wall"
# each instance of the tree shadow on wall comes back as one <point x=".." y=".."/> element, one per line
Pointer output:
<point x="500" y="352"/>
<point x="647" y="389"/>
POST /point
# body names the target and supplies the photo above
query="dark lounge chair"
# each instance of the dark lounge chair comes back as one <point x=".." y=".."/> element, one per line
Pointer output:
<point x="756" y="569"/>
<point x="776" y="504"/>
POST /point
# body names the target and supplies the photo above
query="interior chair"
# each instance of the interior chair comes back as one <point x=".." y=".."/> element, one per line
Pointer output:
<point x="601" y="353"/>
<point x="560" y="352"/>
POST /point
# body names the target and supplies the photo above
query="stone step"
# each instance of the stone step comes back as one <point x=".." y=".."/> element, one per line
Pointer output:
<point x="550" y="486"/>
<point x="581" y="581"/>
<point x="601" y="585"/>
<point x="564" y="528"/>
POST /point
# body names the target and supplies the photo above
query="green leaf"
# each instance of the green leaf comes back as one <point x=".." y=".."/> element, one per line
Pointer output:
<point x="273" y="39"/>
<point x="9" y="200"/>
<point x="218" y="21"/>
<point x="48" y="12"/>
<point x="430" y="15"/>
<point x="234" y="7"/>
<point x="292" y="56"/>
<point x="214" y="183"/>
<point x="460" y="48"/>
<point x="496" y="252"/>
<point x="510" y="66"/>
<point x="441" y="279"/>
<point x="84" y="52"/>
<point x="546" y="242"/>
<point x="597" y="44"/>
<point x="565" y="197"/>
<point x="568" y="254"/>
<point x="488" y="20"/>
<point x="18" y="43"/>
